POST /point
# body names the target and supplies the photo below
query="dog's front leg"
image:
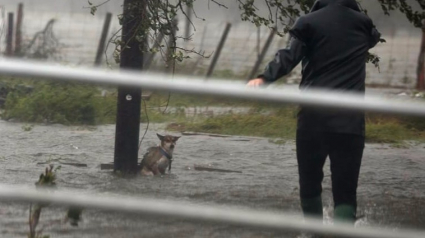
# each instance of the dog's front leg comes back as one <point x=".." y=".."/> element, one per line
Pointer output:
<point x="147" y="172"/>
<point x="155" y="169"/>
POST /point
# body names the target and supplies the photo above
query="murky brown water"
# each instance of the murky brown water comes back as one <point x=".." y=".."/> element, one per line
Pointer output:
<point x="391" y="192"/>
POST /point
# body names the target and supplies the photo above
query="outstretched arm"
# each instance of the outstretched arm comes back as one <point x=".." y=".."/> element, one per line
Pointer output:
<point x="374" y="36"/>
<point x="284" y="62"/>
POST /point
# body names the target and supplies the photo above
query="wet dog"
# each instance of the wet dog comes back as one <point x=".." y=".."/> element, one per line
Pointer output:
<point x="158" y="158"/>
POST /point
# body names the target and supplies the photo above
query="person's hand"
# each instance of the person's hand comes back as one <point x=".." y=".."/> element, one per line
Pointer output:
<point x="255" y="82"/>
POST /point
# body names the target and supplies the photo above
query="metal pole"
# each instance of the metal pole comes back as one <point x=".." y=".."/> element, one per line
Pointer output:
<point x="18" y="37"/>
<point x="263" y="54"/>
<point x="102" y="42"/>
<point x="9" y="36"/>
<point x="420" y="85"/>
<point x="129" y="98"/>
<point x="218" y="51"/>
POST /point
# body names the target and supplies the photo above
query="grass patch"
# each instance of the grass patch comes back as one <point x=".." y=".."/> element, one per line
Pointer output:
<point x="281" y="123"/>
<point x="57" y="102"/>
<point x="393" y="129"/>
<point x="72" y="104"/>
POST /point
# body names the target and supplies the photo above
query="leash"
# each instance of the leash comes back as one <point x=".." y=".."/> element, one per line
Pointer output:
<point x="168" y="156"/>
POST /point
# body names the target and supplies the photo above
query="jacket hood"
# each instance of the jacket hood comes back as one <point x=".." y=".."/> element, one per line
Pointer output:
<point x="319" y="4"/>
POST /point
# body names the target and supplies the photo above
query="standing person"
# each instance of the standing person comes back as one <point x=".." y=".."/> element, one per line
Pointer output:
<point x="332" y="42"/>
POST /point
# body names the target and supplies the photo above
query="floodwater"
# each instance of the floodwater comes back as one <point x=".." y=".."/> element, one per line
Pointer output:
<point x="391" y="191"/>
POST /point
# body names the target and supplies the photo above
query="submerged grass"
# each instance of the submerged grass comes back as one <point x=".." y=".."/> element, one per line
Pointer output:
<point x="281" y="123"/>
<point x="266" y="122"/>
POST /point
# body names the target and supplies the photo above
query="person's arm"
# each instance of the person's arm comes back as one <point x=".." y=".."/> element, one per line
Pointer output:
<point x="375" y="36"/>
<point x="284" y="62"/>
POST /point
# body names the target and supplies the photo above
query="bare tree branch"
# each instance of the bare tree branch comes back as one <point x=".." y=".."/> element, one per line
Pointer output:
<point x="219" y="4"/>
<point x="202" y="53"/>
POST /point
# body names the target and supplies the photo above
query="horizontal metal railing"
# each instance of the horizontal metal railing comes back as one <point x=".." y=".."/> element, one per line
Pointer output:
<point x="157" y="208"/>
<point x="219" y="88"/>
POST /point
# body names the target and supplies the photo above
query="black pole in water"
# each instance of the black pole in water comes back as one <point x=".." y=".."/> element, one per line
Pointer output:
<point x="102" y="42"/>
<point x="218" y="51"/>
<point x="9" y="36"/>
<point x="129" y="98"/>
<point x="263" y="54"/>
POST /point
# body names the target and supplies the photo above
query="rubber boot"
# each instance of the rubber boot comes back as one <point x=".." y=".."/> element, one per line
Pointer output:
<point x="312" y="207"/>
<point x="345" y="213"/>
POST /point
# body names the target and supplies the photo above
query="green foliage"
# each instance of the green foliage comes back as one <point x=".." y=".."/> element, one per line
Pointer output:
<point x="46" y="180"/>
<point x="65" y="103"/>
<point x="27" y="127"/>
<point x="415" y="17"/>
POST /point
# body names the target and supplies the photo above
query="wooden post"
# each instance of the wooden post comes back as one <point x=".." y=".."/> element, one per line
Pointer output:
<point x="9" y="36"/>
<point x="263" y="54"/>
<point x="170" y="64"/>
<point x="218" y="51"/>
<point x="102" y="42"/>
<point x="129" y="98"/>
<point x="18" y="36"/>
<point x="201" y="48"/>
<point x="151" y="55"/>
<point x="421" y="62"/>
<point x="258" y="41"/>
<point x="188" y="22"/>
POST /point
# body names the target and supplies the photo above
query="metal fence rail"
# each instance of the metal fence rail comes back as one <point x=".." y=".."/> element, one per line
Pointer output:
<point x="182" y="84"/>
<point x="196" y="213"/>
<point x="190" y="85"/>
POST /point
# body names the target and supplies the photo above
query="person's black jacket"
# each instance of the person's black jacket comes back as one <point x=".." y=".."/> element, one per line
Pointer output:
<point x="332" y="42"/>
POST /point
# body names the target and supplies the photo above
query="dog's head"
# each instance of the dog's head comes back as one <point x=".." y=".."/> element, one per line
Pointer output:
<point x="168" y="142"/>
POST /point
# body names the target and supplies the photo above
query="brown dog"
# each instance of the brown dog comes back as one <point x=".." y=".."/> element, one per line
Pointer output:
<point x="159" y="158"/>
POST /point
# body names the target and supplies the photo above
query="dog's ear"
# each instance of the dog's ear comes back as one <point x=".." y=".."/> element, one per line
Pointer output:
<point x="175" y="138"/>
<point x="160" y="136"/>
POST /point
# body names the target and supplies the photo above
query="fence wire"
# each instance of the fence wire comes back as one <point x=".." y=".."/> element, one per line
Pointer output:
<point x="192" y="212"/>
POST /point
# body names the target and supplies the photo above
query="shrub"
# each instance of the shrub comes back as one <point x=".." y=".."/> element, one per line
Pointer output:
<point x="65" y="103"/>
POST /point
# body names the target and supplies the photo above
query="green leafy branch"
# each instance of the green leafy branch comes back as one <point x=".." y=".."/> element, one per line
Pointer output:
<point x="47" y="182"/>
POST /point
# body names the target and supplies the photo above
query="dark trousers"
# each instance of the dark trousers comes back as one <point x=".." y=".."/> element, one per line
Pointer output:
<point x="345" y="152"/>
